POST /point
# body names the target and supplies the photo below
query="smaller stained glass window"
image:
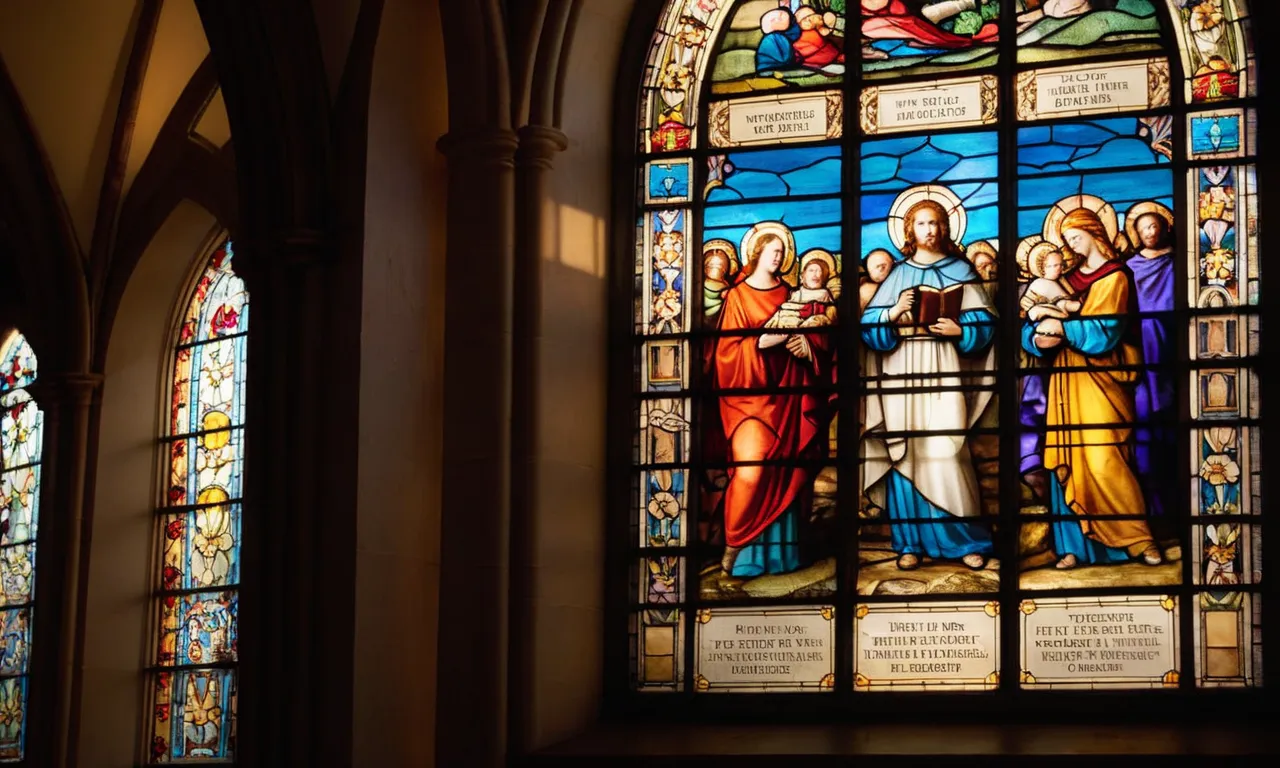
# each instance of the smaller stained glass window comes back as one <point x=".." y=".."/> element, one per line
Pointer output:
<point x="194" y="653"/>
<point x="21" y="425"/>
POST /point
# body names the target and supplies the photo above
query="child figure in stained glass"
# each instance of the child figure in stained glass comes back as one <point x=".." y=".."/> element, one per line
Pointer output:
<point x="814" y="47"/>
<point x="813" y="303"/>
<point x="879" y="263"/>
<point x="1047" y="290"/>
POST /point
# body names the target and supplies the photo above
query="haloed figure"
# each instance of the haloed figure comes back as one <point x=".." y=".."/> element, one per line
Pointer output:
<point x="1092" y="357"/>
<point x="1152" y="266"/>
<point x="763" y="504"/>
<point x="927" y="482"/>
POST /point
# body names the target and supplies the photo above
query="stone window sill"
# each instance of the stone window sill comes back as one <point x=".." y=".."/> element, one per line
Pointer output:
<point x="644" y="744"/>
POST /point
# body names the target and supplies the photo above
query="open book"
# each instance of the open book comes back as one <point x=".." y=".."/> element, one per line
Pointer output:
<point x="932" y="304"/>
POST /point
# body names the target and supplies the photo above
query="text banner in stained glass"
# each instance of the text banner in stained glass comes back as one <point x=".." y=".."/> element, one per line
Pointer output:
<point x="927" y="646"/>
<point x="948" y="104"/>
<point x="1089" y="90"/>
<point x="759" y="649"/>
<point x="1100" y="642"/>
<point x="770" y="120"/>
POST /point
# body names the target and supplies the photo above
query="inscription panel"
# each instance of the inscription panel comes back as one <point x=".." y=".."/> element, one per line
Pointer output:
<point x="927" y="646"/>
<point x="770" y="649"/>
<point x="1088" y="90"/>
<point x="1116" y="642"/>
<point x="772" y="120"/>
<point x="949" y="104"/>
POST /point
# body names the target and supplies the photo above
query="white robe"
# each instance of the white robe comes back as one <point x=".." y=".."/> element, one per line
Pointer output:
<point x="939" y="466"/>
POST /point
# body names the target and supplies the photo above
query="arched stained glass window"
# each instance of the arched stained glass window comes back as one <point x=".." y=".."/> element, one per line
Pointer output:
<point x="946" y="319"/>
<point x="193" y="677"/>
<point x="21" y="435"/>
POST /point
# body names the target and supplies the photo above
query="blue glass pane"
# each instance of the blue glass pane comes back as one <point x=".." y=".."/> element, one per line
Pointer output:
<point x="202" y="716"/>
<point x="1127" y="142"/>
<point x="1122" y="190"/>
<point x="1211" y="135"/>
<point x="965" y="163"/>
<point x="896" y="164"/>
<point x="15" y="637"/>
<point x="669" y="181"/>
<point x="814" y="223"/>
<point x="774" y="173"/>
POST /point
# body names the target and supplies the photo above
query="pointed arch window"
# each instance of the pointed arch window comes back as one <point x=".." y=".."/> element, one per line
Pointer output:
<point x="945" y="320"/>
<point x="21" y="436"/>
<point x="194" y="648"/>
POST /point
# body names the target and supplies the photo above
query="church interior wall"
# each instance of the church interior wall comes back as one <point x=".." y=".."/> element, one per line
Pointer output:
<point x="134" y="398"/>
<point x="569" y="518"/>
<point x="400" y="404"/>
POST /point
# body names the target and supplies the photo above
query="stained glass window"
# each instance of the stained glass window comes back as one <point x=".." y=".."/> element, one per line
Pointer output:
<point x="194" y="651"/>
<point x="1022" y="449"/>
<point x="21" y="435"/>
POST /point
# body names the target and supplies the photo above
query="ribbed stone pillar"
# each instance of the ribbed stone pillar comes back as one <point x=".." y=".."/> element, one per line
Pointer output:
<point x="471" y="722"/>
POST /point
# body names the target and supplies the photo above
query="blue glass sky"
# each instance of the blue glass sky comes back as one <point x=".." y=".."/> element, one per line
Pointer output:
<point x="1122" y="189"/>
<point x="965" y="162"/>
<point x="1084" y="146"/>
<point x="780" y="172"/>
<point x="815" y="223"/>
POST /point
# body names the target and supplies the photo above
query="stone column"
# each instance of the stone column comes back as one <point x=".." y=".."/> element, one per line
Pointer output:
<point x="61" y="554"/>
<point x="471" y="719"/>
<point x="538" y="145"/>
<point x="298" y="531"/>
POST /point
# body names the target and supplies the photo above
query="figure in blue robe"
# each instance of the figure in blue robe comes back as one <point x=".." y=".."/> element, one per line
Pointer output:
<point x="927" y="481"/>
<point x="776" y="50"/>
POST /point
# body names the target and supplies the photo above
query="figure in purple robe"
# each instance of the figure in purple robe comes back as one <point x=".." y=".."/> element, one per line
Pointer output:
<point x="1150" y="228"/>
<point x="1031" y="407"/>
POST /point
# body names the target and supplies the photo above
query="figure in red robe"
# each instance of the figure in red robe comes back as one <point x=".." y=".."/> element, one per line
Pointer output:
<point x="763" y="504"/>
<point x="892" y="20"/>
<point x="814" y="48"/>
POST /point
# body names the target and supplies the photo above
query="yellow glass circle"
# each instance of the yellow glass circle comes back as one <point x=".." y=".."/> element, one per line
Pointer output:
<point x="215" y="420"/>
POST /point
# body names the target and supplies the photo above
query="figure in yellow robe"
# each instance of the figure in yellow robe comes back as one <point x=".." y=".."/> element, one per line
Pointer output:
<point x="1093" y="476"/>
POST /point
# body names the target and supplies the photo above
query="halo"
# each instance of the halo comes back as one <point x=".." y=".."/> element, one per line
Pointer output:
<point x="950" y="202"/>
<point x="1053" y="220"/>
<point x="1040" y="251"/>
<point x="1023" y="257"/>
<point x="980" y="246"/>
<point x="720" y="244"/>
<point x="1140" y="210"/>
<point x="771" y="228"/>
<point x="819" y="254"/>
